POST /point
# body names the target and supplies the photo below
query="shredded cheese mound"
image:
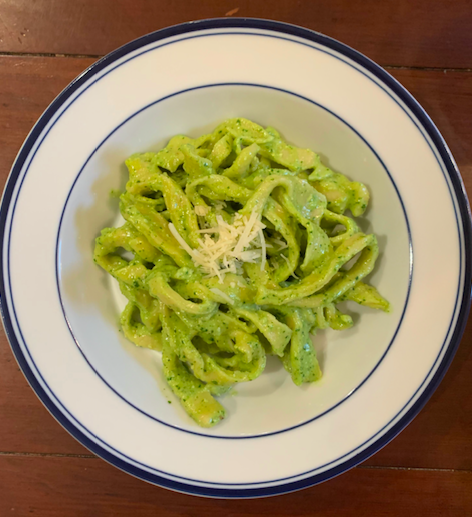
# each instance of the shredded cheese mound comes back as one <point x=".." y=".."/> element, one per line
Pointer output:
<point x="202" y="210"/>
<point x="224" y="248"/>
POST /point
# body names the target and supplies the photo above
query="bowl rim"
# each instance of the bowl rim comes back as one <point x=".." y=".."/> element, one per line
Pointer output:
<point x="428" y="126"/>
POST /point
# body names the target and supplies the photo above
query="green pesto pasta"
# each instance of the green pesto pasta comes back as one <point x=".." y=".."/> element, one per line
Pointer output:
<point x="240" y="246"/>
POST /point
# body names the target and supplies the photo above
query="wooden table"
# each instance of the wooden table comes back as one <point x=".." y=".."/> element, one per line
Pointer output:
<point x="427" y="46"/>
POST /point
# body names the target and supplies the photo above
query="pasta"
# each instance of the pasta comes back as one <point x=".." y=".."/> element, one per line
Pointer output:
<point x="240" y="249"/>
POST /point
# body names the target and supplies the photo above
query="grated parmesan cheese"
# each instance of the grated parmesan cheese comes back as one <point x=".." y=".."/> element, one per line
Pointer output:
<point x="282" y="244"/>
<point x="263" y="249"/>
<point x="222" y="295"/>
<point x="202" y="210"/>
<point x="224" y="248"/>
<point x="290" y="267"/>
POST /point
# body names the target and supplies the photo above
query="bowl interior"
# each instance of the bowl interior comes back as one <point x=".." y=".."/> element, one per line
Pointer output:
<point x="92" y="301"/>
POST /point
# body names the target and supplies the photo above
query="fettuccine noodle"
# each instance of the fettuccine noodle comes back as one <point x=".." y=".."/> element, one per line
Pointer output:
<point x="240" y="246"/>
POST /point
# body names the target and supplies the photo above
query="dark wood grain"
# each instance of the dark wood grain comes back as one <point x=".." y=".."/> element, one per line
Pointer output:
<point x="440" y="437"/>
<point x="27" y="86"/>
<point x="59" y="487"/>
<point x="393" y="32"/>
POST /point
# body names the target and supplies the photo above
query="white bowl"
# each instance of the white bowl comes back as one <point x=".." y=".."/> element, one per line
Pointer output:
<point x="61" y="311"/>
